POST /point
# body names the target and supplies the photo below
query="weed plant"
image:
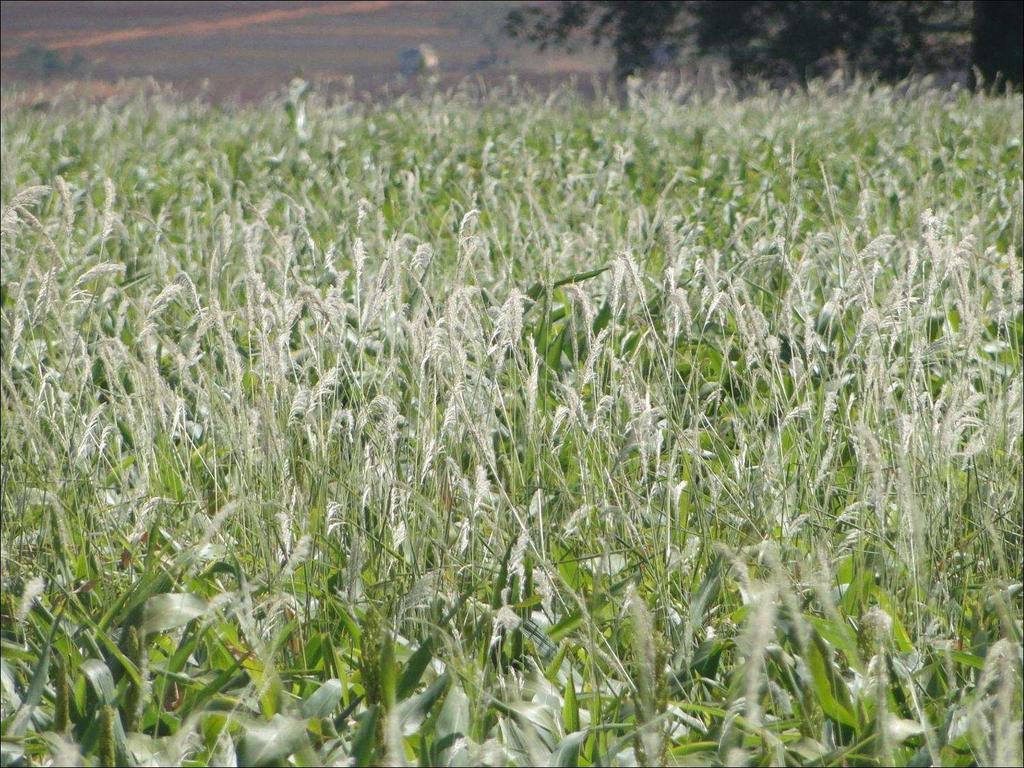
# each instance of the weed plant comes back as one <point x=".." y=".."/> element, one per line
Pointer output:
<point x="478" y="428"/>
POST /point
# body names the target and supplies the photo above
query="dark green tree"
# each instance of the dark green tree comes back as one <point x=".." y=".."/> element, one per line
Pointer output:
<point x="996" y="40"/>
<point x="799" y="39"/>
<point x="790" y="38"/>
<point x="639" y="32"/>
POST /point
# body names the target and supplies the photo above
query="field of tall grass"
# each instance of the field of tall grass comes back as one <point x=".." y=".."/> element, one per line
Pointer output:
<point x="487" y="428"/>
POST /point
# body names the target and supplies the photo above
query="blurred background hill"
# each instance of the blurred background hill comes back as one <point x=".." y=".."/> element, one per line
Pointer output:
<point x="249" y="49"/>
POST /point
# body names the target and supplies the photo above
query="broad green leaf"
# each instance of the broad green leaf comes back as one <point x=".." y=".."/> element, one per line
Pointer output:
<point x="840" y="635"/>
<point x="551" y="671"/>
<point x="707" y="592"/>
<point x="454" y="715"/>
<point x="154" y="582"/>
<point x="900" y="729"/>
<point x="567" y="754"/>
<point x="560" y="344"/>
<point x="171" y="610"/>
<point x="565" y="626"/>
<point x="270" y="742"/>
<point x="899" y="632"/>
<point x="537" y="289"/>
<point x="414" y="710"/>
<point x="414" y="669"/>
<point x="362" y="741"/>
<point x="694" y="747"/>
<point x="539" y="717"/>
<point x="967" y="659"/>
<point x="40" y="676"/>
<point x="323" y="701"/>
<point x="100" y="678"/>
<point x="829" y="688"/>
<point x="12" y="753"/>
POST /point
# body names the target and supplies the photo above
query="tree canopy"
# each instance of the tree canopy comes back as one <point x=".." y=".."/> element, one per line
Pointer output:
<point x="790" y="39"/>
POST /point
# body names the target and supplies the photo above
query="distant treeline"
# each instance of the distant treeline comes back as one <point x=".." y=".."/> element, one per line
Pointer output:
<point x="792" y="40"/>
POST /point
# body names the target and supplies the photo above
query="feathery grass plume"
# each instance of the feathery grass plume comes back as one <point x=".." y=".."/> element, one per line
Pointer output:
<point x="517" y="555"/>
<point x="650" y="742"/>
<point x="469" y="220"/>
<point x="875" y="632"/>
<point x="829" y="368"/>
<point x="21" y="315"/>
<point x="625" y="271"/>
<point x="67" y="207"/>
<point x="170" y="294"/>
<point x="109" y="217"/>
<point x="300" y="406"/>
<point x="757" y="635"/>
<point x="505" y="620"/>
<point x="18" y="204"/>
<point x="31" y="592"/>
<point x="190" y="291"/>
<point x="995" y="715"/>
<point x="422" y="257"/>
<point x="509" y="325"/>
<point x="46" y="295"/>
<point x="546" y="589"/>
<point x="88" y="441"/>
<point x="342" y="424"/>
<point x="98" y="272"/>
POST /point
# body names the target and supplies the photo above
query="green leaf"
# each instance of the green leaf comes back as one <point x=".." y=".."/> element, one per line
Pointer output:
<point x="535" y="290"/>
<point x="840" y="635"/>
<point x="413" y="711"/>
<point x="565" y="626"/>
<point x="567" y="754"/>
<point x="100" y="678"/>
<point x="555" y="665"/>
<point x="170" y="610"/>
<point x="414" y="669"/>
<point x="829" y="687"/>
<point x="502" y="581"/>
<point x="603" y="316"/>
<point x="270" y="742"/>
<point x="899" y="632"/>
<point x="553" y="354"/>
<point x="362" y="742"/>
<point x="453" y="719"/>
<point x="323" y="701"/>
<point x="706" y="593"/>
<point x="968" y="659"/>
<point x="102" y="637"/>
<point x="36" y="686"/>
<point x="38" y="681"/>
<point x="155" y="582"/>
<point x="694" y="748"/>
<point x="570" y="706"/>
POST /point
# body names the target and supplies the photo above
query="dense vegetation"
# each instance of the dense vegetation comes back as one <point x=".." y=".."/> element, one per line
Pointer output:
<point x="485" y="428"/>
<point x="794" y="40"/>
